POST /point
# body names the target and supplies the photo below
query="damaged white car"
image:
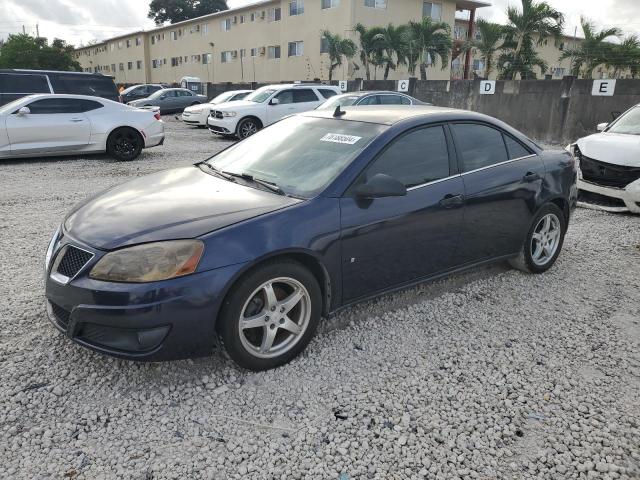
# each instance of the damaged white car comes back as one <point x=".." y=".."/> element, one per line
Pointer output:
<point x="609" y="175"/>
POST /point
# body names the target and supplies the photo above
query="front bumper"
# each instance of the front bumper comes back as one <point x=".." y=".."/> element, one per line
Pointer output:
<point x="222" y="126"/>
<point x="194" y="118"/>
<point x="155" y="321"/>
<point x="610" y="199"/>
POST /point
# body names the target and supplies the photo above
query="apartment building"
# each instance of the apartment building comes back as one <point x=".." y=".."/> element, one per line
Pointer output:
<point x="268" y="40"/>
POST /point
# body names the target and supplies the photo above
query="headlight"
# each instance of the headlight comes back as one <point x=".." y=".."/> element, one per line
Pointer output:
<point x="229" y="114"/>
<point x="52" y="245"/>
<point x="150" y="262"/>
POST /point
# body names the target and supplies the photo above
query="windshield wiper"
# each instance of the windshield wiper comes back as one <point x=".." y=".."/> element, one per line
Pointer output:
<point x="219" y="173"/>
<point x="269" y="185"/>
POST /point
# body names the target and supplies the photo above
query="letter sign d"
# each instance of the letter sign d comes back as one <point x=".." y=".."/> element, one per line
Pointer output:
<point x="487" y="87"/>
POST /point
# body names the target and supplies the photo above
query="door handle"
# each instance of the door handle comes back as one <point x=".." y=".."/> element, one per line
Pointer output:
<point x="76" y="120"/>
<point x="531" y="177"/>
<point x="452" y="201"/>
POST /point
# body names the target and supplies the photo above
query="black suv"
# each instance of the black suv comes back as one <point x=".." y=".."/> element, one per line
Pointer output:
<point x="139" y="91"/>
<point x="16" y="84"/>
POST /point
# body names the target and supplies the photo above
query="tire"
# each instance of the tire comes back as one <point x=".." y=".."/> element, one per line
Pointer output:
<point x="247" y="127"/>
<point x="534" y="258"/>
<point x="125" y="144"/>
<point x="278" y="331"/>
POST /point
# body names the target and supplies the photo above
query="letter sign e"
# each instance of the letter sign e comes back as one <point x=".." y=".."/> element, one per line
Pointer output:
<point x="603" y="88"/>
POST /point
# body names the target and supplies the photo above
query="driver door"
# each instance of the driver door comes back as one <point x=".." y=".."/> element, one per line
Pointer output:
<point x="387" y="242"/>
<point x="53" y="125"/>
<point x="284" y="106"/>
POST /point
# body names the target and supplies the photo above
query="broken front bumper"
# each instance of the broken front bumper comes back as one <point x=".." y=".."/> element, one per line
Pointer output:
<point x="610" y="199"/>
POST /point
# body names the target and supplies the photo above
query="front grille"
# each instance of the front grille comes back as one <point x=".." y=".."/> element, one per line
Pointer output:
<point x="73" y="261"/>
<point x="600" y="200"/>
<point x="62" y="315"/>
<point x="606" y="174"/>
<point x="216" y="114"/>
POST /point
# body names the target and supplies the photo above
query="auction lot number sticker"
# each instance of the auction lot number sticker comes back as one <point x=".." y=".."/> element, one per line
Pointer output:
<point x="338" y="138"/>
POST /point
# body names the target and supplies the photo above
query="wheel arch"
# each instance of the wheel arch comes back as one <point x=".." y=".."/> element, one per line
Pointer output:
<point x="254" y="117"/>
<point x="306" y="258"/>
<point x="110" y="132"/>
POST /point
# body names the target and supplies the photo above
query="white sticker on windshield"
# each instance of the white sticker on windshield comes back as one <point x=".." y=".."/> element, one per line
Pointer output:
<point x="338" y="138"/>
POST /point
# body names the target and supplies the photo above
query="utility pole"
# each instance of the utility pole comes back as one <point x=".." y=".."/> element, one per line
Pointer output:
<point x="37" y="31"/>
<point x="24" y="31"/>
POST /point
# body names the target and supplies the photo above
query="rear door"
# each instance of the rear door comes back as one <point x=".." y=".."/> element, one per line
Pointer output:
<point x="54" y="125"/>
<point x="17" y="85"/>
<point x="390" y="241"/>
<point x="502" y="180"/>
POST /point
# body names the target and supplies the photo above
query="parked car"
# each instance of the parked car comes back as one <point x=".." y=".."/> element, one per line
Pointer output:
<point x="170" y="100"/>
<point x="369" y="98"/>
<point x="47" y="125"/>
<point x="609" y="175"/>
<point x="304" y="218"/>
<point x="265" y="106"/>
<point x="18" y="83"/>
<point x="137" y="92"/>
<point x="198" y="114"/>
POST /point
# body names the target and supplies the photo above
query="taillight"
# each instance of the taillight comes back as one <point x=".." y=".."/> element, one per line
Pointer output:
<point x="157" y="115"/>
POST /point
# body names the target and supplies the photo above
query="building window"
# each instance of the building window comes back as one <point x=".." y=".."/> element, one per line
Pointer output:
<point x="243" y="53"/>
<point x="324" y="45"/>
<point x="296" y="8"/>
<point x="226" y="25"/>
<point x="254" y="52"/>
<point x="241" y="18"/>
<point x="329" y="3"/>
<point x="129" y="65"/>
<point x="274" y="51"/>
<point x="120" y="45"/>
<point x="478" y="65"/>
<point x="128" y="43"/>
<point x="296" y="49"/>
<point x="252" y="17"/>
<point x="433" y="10"/>
<point x="138" y="41"/>
<point x="381" y="4"/>
<point x="139" y="64"/>
<point x="459" y="32"/>
<point x="226" y="57"/>
<point x="275" y="14"/>
<point x="205" y="29"/>
<point x="206" y="58"/>
<point x="113" y="67"/>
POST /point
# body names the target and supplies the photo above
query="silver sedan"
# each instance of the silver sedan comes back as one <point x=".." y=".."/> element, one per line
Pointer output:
<point x="170" y="100"/>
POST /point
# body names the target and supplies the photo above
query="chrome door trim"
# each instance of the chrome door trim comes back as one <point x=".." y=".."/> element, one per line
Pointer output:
<point x="499" y="164"/>
<point x="433" y="182"/>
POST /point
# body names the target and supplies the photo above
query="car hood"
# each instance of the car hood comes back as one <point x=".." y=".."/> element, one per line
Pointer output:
<point x="237" y="104"/>
<point x="199" y="108"/>
<point x="167" y="205"/>
<point x="614" y="148"/>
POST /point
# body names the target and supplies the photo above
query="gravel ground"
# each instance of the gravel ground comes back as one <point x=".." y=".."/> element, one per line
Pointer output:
<point x="493" y="374"/>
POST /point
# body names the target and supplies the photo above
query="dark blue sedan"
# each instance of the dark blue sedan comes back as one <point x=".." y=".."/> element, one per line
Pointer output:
<point x="251" y="248"/>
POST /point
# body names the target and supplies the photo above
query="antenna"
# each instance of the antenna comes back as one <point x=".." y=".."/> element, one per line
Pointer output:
<point x="338" y="113"/>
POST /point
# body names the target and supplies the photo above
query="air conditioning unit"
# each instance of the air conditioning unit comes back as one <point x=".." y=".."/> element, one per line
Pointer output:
<point x="235" y="19"/>
<point x="262" y="51"/>
<point x="263" y="14"/>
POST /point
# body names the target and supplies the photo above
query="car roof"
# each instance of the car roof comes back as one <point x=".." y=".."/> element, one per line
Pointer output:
<point x="37" y="96"/>
<point x="300" y="85"/>
<point x="362" y="93"/>
<point x="58" y="72"/>
<point x="391" y="114"/>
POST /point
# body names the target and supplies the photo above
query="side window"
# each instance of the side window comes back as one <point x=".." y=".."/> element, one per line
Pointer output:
<point x="326" y="93"/>
<point x="89" y="105"/>
<point x="285" y="96"/>
<point x="390" y="100"/>
<point x="139" y="91"/>
<point x="20" y="83"/>
<point x="85" y="85"/>
<point x="170" y="94"/>
<point x="515" y="148"/>
<point x="303" y="95"/>
<point x="55" y="105"/>
<point x="405" y="101"/>
<point x="153" y="88"/>
<point x="370" y="100"/>
<point x="417" y="157"/>
<point x="479" y="145"/>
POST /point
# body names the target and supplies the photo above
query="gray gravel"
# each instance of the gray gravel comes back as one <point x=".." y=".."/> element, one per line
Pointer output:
<point x="491" y="374"/>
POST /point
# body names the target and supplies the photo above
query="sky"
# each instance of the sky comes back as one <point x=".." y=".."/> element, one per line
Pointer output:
<point x="80" y="21"/>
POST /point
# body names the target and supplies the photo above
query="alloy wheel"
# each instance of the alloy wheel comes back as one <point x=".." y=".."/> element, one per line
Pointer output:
<point x="545" y="239"/>
<point x="275" y="317"/>
<point x="247" y="129"/>
<point x="125" y="145"/>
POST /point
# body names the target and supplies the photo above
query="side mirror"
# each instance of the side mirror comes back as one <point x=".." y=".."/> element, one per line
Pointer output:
<point x="602" y="126"/>
<point x="274" y="101"/>
<point x="381" y="185"/>
<point x="24" y="111"/>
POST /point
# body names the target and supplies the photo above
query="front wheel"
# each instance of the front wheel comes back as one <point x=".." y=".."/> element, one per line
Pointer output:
<point x="247" y="127"/>
<point x="270" y="315"/>
<point x="125" y="144"/>
<point x="544" y="241"/>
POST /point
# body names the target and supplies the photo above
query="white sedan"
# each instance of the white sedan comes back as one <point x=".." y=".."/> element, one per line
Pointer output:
<point x="197" y="114"/>
<point x="44" y="125"/>
<point x="609" y="174"/>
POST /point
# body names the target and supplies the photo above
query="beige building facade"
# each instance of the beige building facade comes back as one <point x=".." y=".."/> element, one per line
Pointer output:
<point x="266" y="41"/>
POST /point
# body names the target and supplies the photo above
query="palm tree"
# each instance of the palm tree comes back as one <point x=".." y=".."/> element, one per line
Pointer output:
<point x="491" y="35"/>
<point x="537" y="20"/>
<point x="626" y="56"/>
<point x="427" y="41"/>
<point x="369" y="46"/>
<point x="393" y="42"/>
<point x="338" y="47"/>
<point x="592" y="51"/>
<point x="523" y="65"/>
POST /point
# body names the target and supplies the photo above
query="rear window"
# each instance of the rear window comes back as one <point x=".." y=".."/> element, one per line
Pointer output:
<point x="327" y="93"/>
<point x="85" y="85"/>
<point x="23" y="83"/>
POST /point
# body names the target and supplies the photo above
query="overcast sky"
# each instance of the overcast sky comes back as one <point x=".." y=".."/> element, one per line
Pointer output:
<point x="79" y="21"/>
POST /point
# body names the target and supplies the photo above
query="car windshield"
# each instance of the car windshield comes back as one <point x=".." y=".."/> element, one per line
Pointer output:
<point x="342" y="100"/>
<point x="157" y="94"/>
<point x="301" y="155"/>
<point x="261" y="95"/>
<point x="628" y="124"/>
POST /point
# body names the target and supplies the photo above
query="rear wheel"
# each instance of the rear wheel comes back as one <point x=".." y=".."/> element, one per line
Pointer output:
<point x="247" y="127"/>
<point x="125" y="144"/>
<point x="544" y="241"/>
<point x="270" y="315"/>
